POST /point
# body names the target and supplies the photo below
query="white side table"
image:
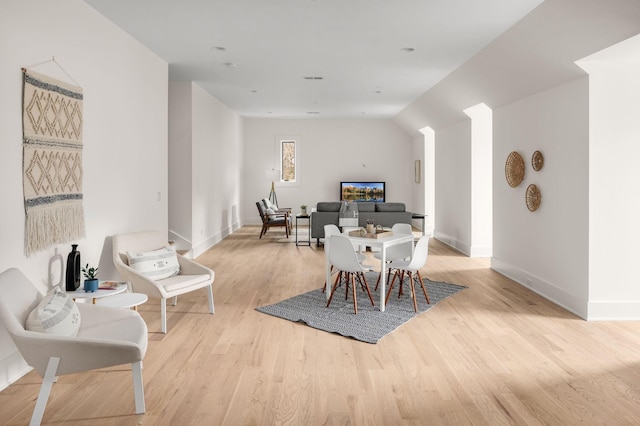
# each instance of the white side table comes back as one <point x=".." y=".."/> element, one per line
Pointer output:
<point x="123" y="300"/>
<point x="98" y="294"/>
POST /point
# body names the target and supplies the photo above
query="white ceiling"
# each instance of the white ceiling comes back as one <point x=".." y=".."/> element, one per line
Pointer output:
<point x="270" y="46"/>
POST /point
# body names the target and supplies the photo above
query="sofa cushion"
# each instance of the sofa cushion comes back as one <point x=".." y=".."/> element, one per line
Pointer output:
<point x="366" y="207"/>
<point x="156" y="264"/>
<point x="390" y="207"/>
<point x="56" y="313"/>
<point x="328" y="206"/>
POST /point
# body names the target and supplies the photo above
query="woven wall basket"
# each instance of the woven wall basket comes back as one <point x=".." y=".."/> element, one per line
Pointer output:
<point x="533" y="197"/>
<point x="514" y="169"/>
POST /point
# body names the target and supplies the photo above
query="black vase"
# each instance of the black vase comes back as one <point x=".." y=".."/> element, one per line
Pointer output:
<point x="73" y="269"/>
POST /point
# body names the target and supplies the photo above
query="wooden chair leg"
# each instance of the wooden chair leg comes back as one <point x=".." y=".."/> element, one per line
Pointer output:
<point x="386" y="300"/>
<point x="413" y="292"/>
<point x="353" y="290"/>
<point x="333" y="290"/>
<point x="366" y="286"/>
<point x="424" y="290"/>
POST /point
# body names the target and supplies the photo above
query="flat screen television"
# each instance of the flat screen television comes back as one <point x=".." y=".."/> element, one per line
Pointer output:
<point x="362" y="191"/>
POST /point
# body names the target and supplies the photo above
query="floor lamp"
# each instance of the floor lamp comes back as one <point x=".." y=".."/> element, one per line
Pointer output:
<point x="272" y="175"/>
<point x="272" y="195"/>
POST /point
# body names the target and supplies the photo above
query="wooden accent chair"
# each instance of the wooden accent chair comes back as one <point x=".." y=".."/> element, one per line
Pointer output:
<point x="274" y="219"/>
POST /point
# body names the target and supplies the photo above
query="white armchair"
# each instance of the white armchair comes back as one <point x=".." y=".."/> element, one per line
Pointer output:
<point x="106" y="337"/>
<point x="192" y="275"/>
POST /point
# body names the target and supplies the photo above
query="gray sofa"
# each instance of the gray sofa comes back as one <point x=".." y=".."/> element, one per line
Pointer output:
<point x="385" y="214"/>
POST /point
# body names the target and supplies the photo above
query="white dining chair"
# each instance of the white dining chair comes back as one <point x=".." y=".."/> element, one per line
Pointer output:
<point x="399" y="252"/>
<point x="343" y="258"/>
<point x="411" y="268"/>
<point x="330" y="230"/>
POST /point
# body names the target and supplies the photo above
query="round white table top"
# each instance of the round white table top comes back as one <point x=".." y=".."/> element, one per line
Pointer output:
<point x="123" y="300"/>
<point x="101" y="292"/>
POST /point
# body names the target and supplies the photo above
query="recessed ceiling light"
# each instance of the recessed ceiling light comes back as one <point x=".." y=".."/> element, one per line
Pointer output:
<point x="313" y="77"/>
<point x="407" y="49"/>
<point x="377" y="91"/>
<point x="313" y="112"/>
<point x="230" y="65"/>
<point x="254" y="91"/>
<point x="219" y="48"/>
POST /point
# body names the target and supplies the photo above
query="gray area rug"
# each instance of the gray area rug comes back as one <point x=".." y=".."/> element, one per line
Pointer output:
<point x="369" y="325"/>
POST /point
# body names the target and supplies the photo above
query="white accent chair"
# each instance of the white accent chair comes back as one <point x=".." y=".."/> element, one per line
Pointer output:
<point x="343" y="258"/>
<point x="192" y="275"/>
<point x="107" y="337"/>
<point x="412" y="269"/>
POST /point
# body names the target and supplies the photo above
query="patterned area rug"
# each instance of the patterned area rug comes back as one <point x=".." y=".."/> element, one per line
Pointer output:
<point x="369" y="325"/>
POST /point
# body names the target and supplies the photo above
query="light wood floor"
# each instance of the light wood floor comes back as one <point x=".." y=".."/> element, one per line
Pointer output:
<point x="493" y="354"/>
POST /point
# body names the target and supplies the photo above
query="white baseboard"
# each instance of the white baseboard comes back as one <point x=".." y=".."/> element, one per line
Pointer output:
<point x="453" y="243"/>
<point x="618" y="310"/>
<point x="544" y="288"/>
<point x="12" y="368"/>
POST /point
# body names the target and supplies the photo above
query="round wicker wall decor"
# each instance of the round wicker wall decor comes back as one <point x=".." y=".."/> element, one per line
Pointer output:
<point x="514" y="169"/>
<point x="537" y="161"/>
<point x="533" y="197"/>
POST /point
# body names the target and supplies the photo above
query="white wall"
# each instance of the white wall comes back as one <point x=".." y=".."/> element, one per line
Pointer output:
<point x="125" y="135"/>
<point x="453" y="186"/>
<point x="206" y="168"/>
<point x="545" y="250"/>
<point x="217" y="170"/>
<point x="614" y="185"/>
<point x="180" y="164"/>
<point x="329" y="151"/>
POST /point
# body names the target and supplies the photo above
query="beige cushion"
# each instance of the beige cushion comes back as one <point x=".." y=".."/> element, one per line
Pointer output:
<point x="179" y="282"/>
<point x="156" y="264"/>
<point x="56" y="313"/>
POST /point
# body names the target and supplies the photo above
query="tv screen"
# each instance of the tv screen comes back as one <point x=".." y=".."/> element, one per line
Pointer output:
<point x="362" y="191"/>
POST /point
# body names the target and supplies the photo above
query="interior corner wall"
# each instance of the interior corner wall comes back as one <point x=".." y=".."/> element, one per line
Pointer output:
<point x="453" y="186"/>
<point x="124" y="136"/>
<point x="206" y="168"/>
<point x="614" y="184"/>
<point x="545" y="250"/>
<point x="180" y="165"/>
<point x="328" y="151"/>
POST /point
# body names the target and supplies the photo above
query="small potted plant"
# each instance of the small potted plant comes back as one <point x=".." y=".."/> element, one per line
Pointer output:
<point x="90" y="278"/>
<point x="303" y="210"/>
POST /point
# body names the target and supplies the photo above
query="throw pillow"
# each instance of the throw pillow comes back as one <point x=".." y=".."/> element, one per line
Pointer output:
<point x="156" y="264"/>
<point x="270" y="212"/>
<point x="56" y="313"/>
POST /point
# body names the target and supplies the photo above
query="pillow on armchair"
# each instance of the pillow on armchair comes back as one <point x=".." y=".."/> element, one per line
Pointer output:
<point x="56" y="313"/>
<point x="157" y="264"/>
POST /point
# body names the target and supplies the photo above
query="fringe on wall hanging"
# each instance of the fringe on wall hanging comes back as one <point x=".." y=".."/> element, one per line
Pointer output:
<point x="52" y="161"/>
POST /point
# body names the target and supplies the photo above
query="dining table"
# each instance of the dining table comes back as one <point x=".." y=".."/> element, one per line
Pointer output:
<point x="383" y="243"/>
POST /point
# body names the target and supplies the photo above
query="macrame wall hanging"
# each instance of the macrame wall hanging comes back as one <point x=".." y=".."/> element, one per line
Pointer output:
<point x="51" y="161"/>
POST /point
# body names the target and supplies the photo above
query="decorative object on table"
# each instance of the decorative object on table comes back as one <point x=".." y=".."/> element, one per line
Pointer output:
<point x="90" y="278"/>
<point x="370" y="325"/>
<point x="370" y="226"/>
<point x="533" y="197"/>
<point x="73" y="269"/>
<point x="514" y="169"/>
<point x="348" y="215"/>
<point x="537" y="161"/>
<point x="303" y="210"/>
<point x="52" y="161"/>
